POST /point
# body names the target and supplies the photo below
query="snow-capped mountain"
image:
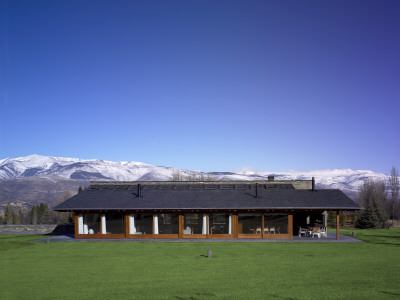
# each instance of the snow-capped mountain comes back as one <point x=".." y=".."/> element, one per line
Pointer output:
<point x="75" y="168"/>
<point x="29" y="180"/>
<point x="96" y="169"/>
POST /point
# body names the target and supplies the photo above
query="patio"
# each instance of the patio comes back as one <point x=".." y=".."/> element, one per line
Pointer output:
<point x="331" y="238"/>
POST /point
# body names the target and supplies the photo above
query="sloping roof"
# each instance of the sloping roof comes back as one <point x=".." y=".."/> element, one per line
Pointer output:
<point x="205" y="197"/>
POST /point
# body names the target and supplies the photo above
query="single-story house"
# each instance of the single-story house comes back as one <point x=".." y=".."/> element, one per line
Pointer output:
<point x="218" y="209"/>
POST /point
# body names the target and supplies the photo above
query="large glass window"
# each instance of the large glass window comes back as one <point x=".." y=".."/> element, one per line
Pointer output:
<point x="140" y="224"/>
<point x="115" y="224"/>
<point x="167" y="224"/>
<point x="249" y="223"/>
<point x="276" y="223"/>
<point x="195" y="224"/>
<point x="220" y="224"/>
<point x="89" y="224"/>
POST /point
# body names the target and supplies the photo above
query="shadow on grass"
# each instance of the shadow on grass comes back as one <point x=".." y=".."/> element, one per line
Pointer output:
<point x="389" y="293"/>
<point x="391" y="244"/>
<point x="384" y="236"/>
<point x="201" y="295"/>
<point x="279" y="297"/>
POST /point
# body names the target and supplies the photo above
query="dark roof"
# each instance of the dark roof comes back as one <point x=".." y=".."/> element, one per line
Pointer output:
<point x="203" y="196"/>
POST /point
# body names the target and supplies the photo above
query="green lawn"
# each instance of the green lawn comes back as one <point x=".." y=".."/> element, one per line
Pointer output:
<point x="155" y="270"/>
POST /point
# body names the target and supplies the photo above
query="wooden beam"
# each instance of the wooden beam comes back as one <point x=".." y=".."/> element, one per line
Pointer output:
<point x="337" y="224"/>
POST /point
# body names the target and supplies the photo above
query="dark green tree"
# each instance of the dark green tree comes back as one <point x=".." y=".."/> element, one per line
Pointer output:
<point x="332" y="219"/>
<point x="8" y="214"/>
<point x="373" y="199"/>
<point x="40" y="210"/>
<point x="45" y="217"/>
<point x="80" y="189"/>
<point x="342" y="218"/>
<point x="368" y="219"/>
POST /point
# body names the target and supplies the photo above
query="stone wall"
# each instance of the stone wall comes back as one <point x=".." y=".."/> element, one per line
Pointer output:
<point x="41" y="228"/>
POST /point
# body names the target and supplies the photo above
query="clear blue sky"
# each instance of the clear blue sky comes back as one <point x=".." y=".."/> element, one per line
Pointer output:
<point x="203" y="85"/>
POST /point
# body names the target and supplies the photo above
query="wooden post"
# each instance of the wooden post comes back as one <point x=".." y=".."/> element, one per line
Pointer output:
<point x="180" y="226"/>
<point x="235" y="218"/>
<point x="76" y="224"/>
<point x="127" y="225"/>
<point x="262" y="226"/>
<point x="337" y="224"/>
<point x="208" y="224"/>
<point x="290" y="225"/>
<point x="101" y="224"/>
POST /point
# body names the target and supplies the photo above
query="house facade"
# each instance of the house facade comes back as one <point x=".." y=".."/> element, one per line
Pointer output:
<point x="203" y="210"/>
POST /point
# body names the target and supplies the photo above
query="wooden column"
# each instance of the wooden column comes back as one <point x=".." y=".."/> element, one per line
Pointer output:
<point x="180" y="226"/>
<point x="76" y="224"/>
<point x="127" y="225"/>
<point x="262" y="226"/>
<point x="235" y="225"/>
<point x="337" y="224"/>
<point x="290" y="225"/>
<point x="208" y="230"/>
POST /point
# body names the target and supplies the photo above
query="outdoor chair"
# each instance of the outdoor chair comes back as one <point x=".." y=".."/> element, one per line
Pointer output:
<point x="316" y="232"/>
<point x="302" y="231"/>
<point x="323" y="232"/>
<point x="278" y="230"/>
<point x="271" y="229"/>
<point x="258" y="230"/>
<point x="266" y="231"/>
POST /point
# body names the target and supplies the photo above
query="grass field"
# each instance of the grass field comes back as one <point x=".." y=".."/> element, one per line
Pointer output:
<point x="146" y="270"/>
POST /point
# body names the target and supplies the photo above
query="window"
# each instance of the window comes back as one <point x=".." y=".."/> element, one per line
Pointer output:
<point x="140" y="224"/>
<point x="220" y="224"/>
<point x="89" y="223"/>
<point x="276" y="223"/>
<point x="166" y="224"/>
<point x="114" y="224"/>
<point x="195" y="224"/>
<point x="249" y="223"/>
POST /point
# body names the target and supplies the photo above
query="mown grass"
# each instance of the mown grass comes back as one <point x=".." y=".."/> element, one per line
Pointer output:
<point x="167" y="270"/>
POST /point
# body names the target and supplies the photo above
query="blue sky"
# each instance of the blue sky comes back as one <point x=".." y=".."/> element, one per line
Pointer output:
<point x="203" y="85"/>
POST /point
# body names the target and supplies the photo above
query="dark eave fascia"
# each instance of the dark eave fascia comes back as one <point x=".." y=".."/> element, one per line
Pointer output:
<point x="214" y="208"/>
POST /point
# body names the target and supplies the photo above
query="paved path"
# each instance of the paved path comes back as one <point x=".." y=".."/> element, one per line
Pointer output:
<point x="330" y="239"/>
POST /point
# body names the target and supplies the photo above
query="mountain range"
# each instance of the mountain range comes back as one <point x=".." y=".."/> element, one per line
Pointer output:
<point x="29" y="180"/>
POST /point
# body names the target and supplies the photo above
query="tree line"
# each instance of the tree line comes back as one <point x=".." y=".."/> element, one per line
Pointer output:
<point x="192" y="176"/>
<point x="38" y="214"/>
<point x="381" y="205"/>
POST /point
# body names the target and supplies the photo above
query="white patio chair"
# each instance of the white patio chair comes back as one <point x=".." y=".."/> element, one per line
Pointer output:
<point x="316" y="232"/>
<point x="323" y="232"/>
<point x="302" y="231"/>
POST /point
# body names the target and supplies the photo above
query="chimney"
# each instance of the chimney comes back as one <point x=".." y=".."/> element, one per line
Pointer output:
<point x="256" y="190"/>
<point x="139" y="192"/>
<point x="270" y="178"/>
<point x="313" y="184"/>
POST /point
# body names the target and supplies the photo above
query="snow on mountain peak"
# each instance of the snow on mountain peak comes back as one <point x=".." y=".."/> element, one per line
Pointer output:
<point x="98" y="169"/>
